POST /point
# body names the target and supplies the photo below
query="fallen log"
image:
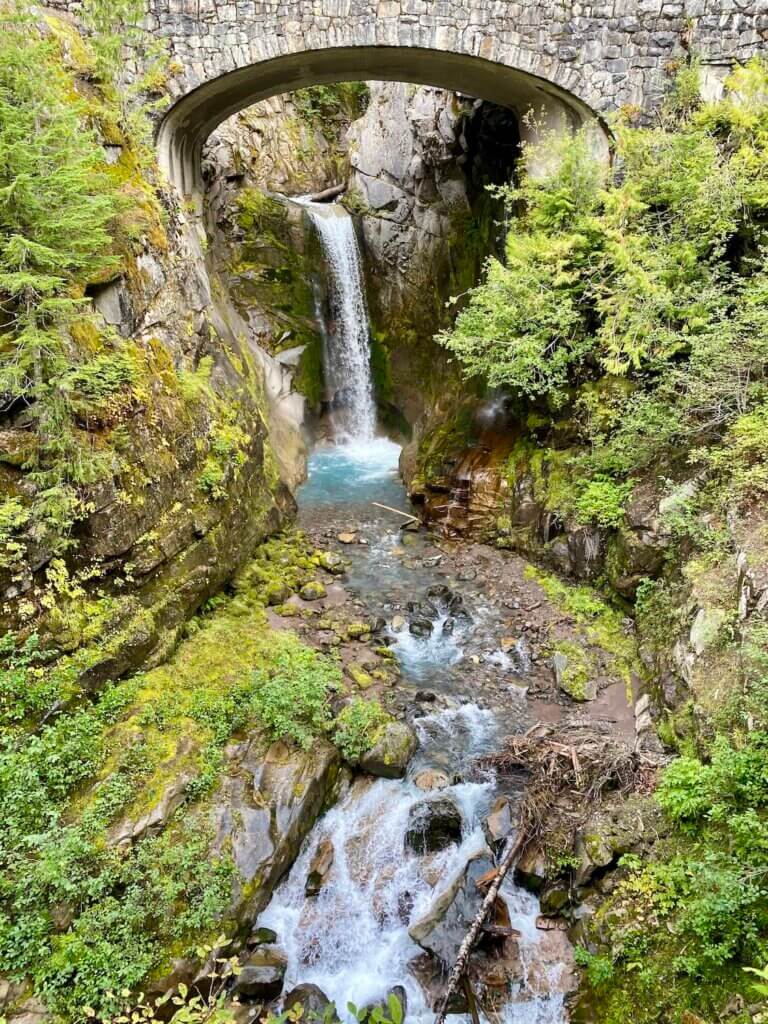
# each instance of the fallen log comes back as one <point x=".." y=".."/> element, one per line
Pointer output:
<point x="406" y="515"/>
<point x="328" y="193"/>
<point x="458" y="971"/>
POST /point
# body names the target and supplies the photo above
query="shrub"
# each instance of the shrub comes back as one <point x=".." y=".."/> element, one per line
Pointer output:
<point x="602" y="502"/>
<point x="357" y="727"/>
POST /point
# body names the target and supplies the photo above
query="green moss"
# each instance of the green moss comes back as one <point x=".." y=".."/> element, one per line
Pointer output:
<point x="578" y="670"/>
<point x="361" y="678"/>
<point x="600" y="624"/>
<point x="113" y="761"/>
<point x="309" y="378"/>
<point x="441" y="446"/>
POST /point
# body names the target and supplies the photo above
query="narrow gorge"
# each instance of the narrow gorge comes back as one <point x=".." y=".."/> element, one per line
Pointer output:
<point x="383" y="534"/>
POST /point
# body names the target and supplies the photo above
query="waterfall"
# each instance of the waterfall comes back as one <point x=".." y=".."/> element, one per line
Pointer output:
<point x="347" y="349"/>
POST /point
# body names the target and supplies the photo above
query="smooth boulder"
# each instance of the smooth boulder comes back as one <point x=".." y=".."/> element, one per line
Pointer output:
<point x="261" y="976"/>
<point x="313" y="1001"/>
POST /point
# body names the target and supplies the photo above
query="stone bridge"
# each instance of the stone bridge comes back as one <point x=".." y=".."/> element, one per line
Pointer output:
<point x="570" y="59"/>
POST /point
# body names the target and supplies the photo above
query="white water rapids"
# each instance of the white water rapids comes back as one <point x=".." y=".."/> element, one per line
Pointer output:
<point x="352" y="938"/>
<point x="346" y="348"/>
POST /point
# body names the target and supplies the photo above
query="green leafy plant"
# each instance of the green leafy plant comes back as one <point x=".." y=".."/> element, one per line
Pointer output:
<point x="358" y="726"/>
<point x="292" y="696"/>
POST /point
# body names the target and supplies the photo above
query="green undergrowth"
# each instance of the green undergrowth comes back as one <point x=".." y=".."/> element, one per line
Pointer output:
<point x="81" y="916"/>
<point x="358" y="727"/>
<point x="630" y="310"/>
<point x="676" y="934"/>
<point x="332" y="107"/>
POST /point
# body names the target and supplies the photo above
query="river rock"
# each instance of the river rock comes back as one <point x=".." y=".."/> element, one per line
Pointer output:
<point x="346" y="538"/>
<point x="420" y="627"/>
<point x="440" y="594"/>
<point x="361" y="678"/>
<point x="262" y="936"/>
<point x="531" y="868"/>
<point x="431" y="778"/>
<point x="277" y="593"/>
<point x="433" y="825"/>
<point x="313" y="1001"/>
<point x="331" y="562"/>
<point x="261" y="976"/>
<point x="357" y="630"/>
<point x="389" y="756"/>
<point x="442" y="928"/>
<point x="319" y="867"/>
<point x="430" y="974"/>
<point x="498" y="824"/>
<point x="312" y="591"/>
<point x="398" y="623"/>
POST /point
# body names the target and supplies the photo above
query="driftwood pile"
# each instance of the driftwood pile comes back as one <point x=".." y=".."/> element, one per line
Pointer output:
<point x="571" y="767"/>
<point x="576" y="762"/>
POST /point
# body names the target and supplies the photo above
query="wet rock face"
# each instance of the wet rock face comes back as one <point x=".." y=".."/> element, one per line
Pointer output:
<point x="319" y="867"/>
<point x="433" y="825"/>
<point x="441" y="930"/>
<point x="266" y="804"/>
<point x="494" y="964"/>
<point x="415" y="185"/>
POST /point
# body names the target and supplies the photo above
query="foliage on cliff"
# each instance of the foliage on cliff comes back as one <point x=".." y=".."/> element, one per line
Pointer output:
<point x="82" y="913"/>
<point x="654" y="274"/>
<point x="629" y="323"/>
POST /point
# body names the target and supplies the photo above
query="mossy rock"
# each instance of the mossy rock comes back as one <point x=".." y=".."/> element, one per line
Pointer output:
<point x="312" y="591"/>
<point x="385" y="652"/>
<point x="358" y="630"/>
<point x="573" y="673"/>
<point x="389" y="756"/>
<point x="362" y="678"/>
<point x="277" y="593"/>
<point x="331" y="562"/>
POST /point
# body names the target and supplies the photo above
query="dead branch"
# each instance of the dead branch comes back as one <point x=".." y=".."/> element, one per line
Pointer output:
<point x="328" y="193"/>
<point x="575" y="760"/>
<point x="513" y="849"/>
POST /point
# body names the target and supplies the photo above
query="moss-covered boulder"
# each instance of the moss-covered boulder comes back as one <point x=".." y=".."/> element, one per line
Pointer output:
<point x="390" y="755"/>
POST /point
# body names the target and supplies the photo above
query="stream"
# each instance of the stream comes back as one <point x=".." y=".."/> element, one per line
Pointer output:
<point x="353" y="938"/>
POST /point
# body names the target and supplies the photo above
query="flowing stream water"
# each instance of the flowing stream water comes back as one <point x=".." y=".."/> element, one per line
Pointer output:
<point x="352" y="937"/>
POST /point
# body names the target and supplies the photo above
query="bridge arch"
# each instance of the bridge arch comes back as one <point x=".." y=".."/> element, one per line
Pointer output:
<point x="556" y="99"/>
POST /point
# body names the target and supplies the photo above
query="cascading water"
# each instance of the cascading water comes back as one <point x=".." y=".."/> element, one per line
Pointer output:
<point x="352" y="938"/>
<point x="346" y="349"/>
